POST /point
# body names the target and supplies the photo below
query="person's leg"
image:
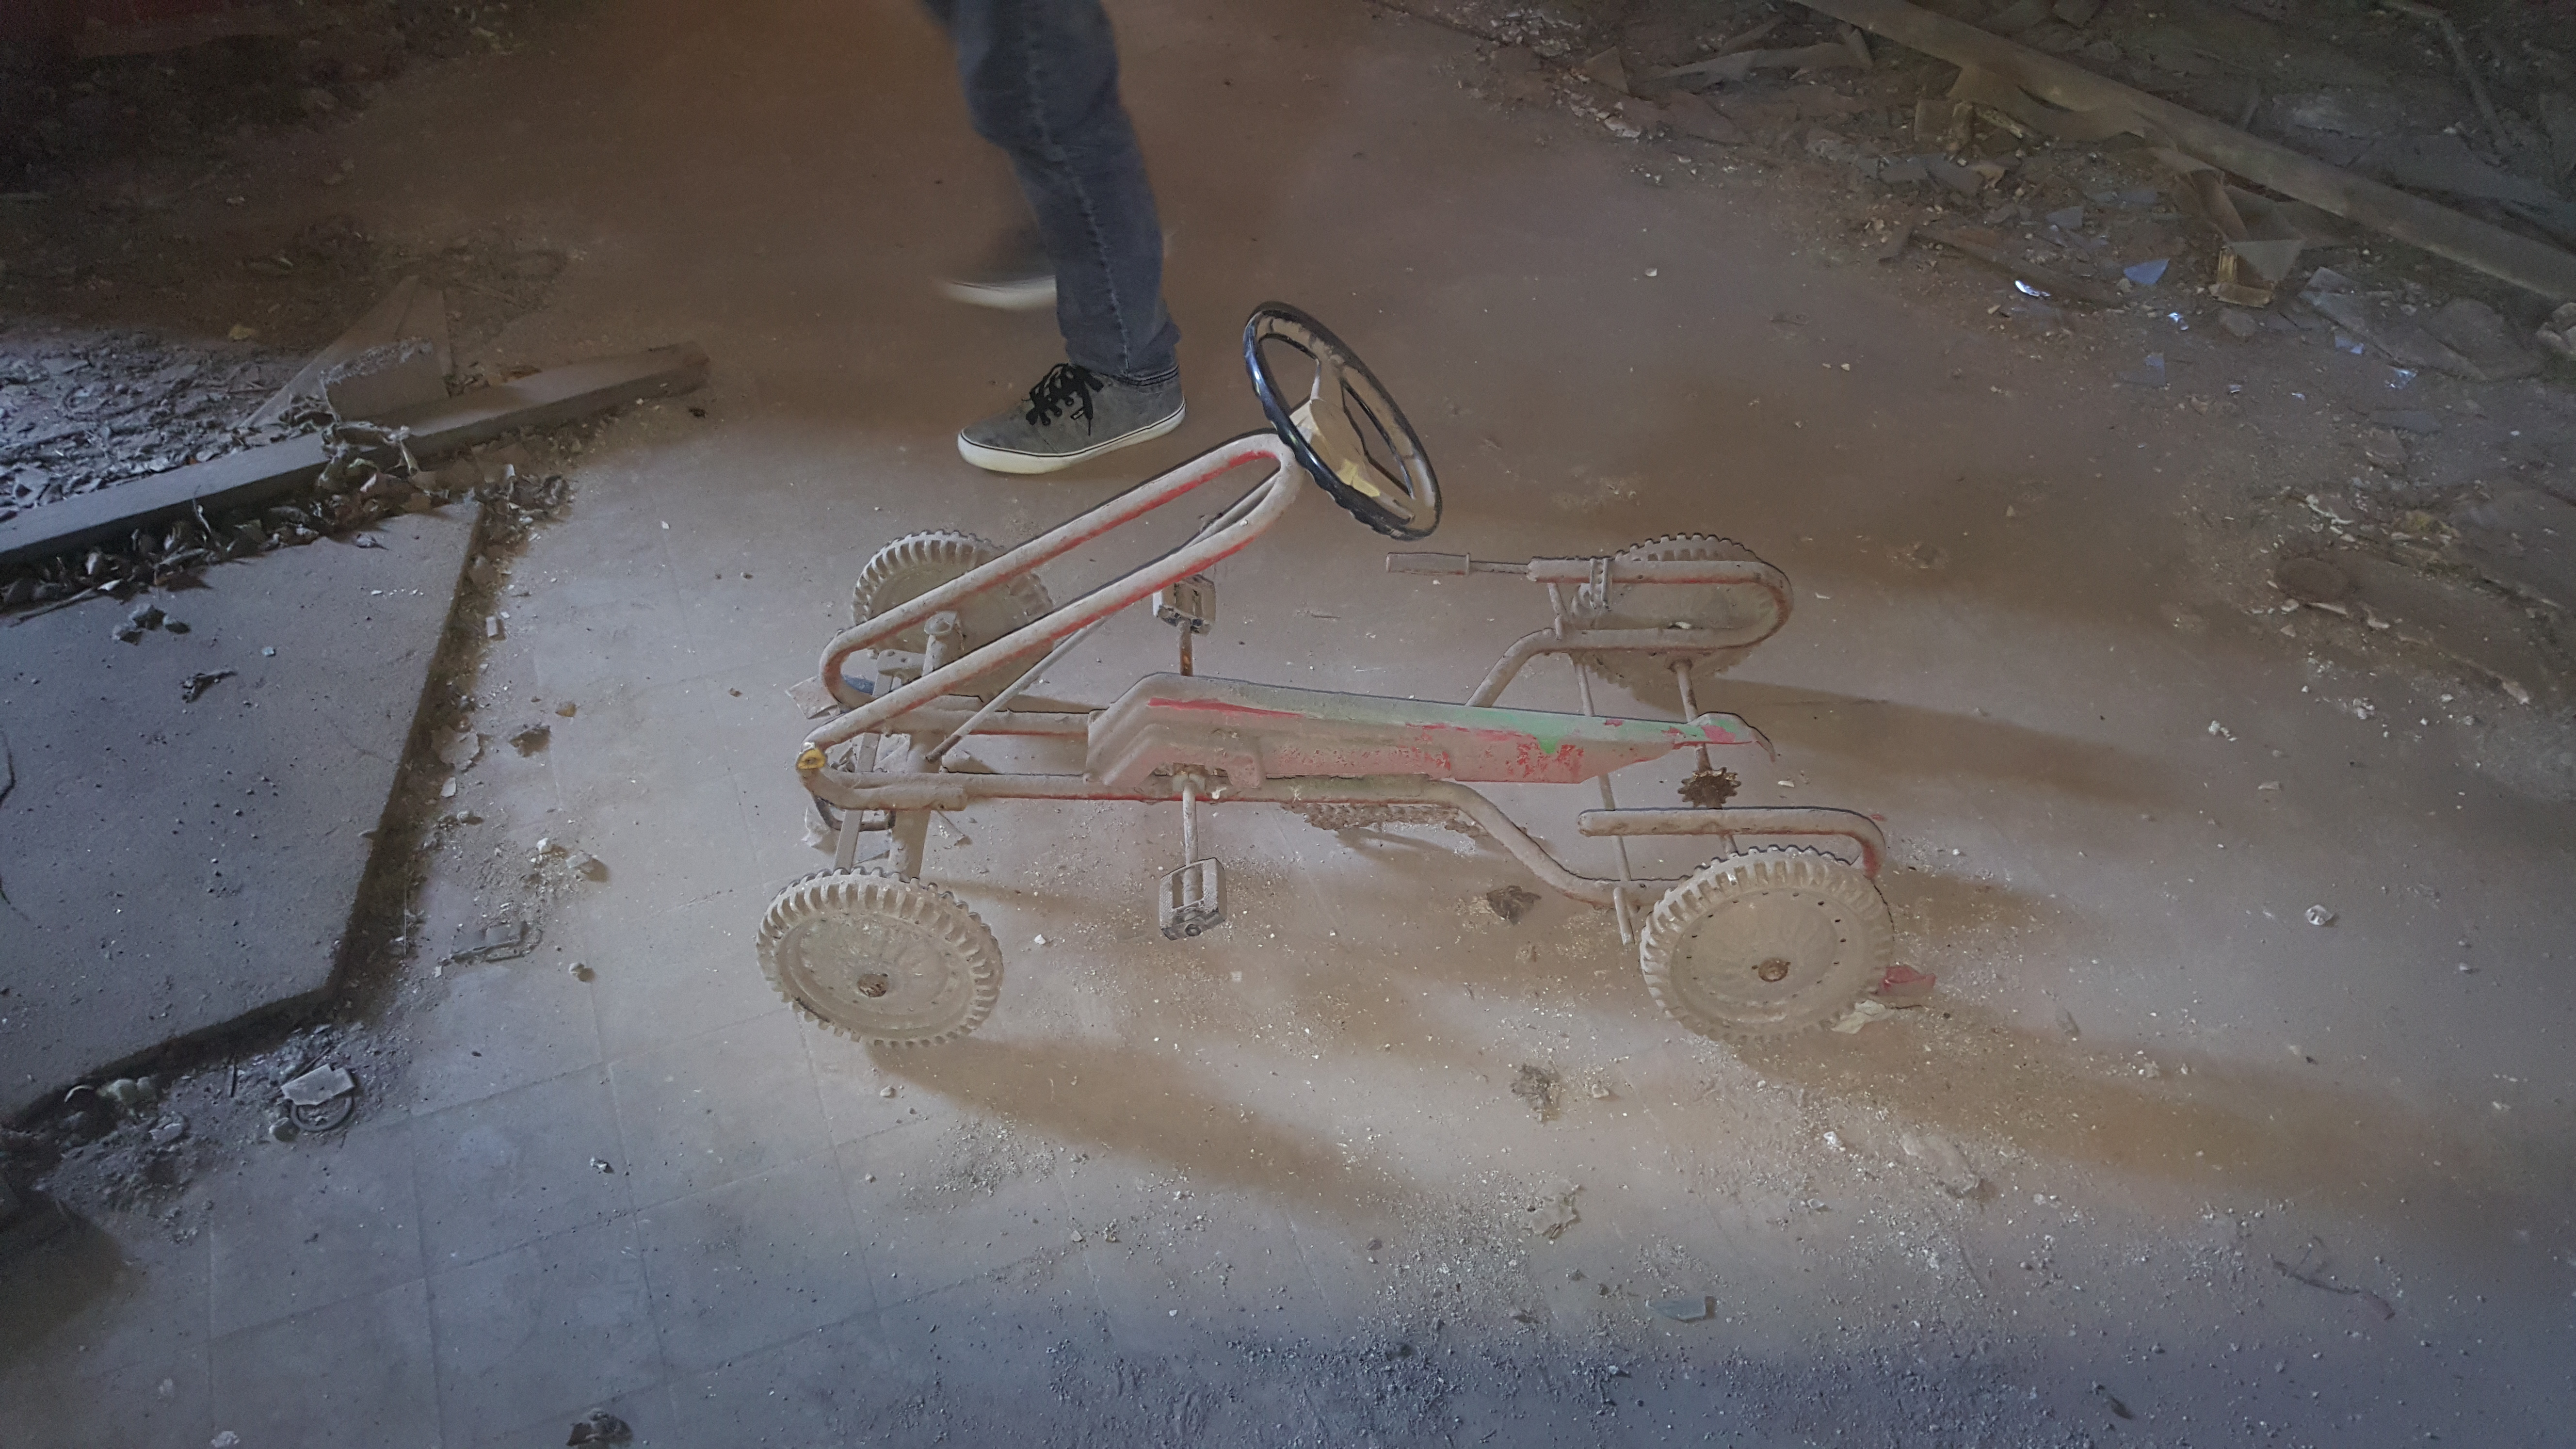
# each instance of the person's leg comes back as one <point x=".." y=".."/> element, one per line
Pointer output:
<point x="1041" y="81"/>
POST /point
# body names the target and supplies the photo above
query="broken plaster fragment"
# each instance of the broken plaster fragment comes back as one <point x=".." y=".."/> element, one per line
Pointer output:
<point x="463" y="750"/>
<point x="322" y="1084"/>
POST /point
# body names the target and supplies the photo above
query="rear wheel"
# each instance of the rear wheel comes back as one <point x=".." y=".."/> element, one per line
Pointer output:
<point x="917" y="563"/>
<point x="1649" y="676"/>
<point x="1767" y="943"/>
<point x="881" y="958"/>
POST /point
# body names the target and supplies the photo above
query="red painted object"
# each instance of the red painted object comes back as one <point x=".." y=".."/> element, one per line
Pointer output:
<point x="1258" y="732"/>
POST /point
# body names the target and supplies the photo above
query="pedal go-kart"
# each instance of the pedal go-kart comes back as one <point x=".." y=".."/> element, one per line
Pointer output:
<point x="1766" y="939"/>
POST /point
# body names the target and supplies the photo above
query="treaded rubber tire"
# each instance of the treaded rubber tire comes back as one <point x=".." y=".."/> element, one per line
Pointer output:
<point x="934" y="957"/>
<point x="1824" y="919"/>
<point x="916" y="563"/>
<point x="1654" y="606"/>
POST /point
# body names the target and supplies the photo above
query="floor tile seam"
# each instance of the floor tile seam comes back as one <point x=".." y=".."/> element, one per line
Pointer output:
<point x="420" y="1256"/>
<point x="301" y="1310"/>
<point x="664" y="912"/>
<point x="418" y="1117"/>
<point x="1306" y="1262"/>
<point x="429" y="1328"/>
<point x="617" y="1217"/>
<point x="672" y="1366"/>
<point x="662" y="1375"/>
<point x="627" y="1059"/>
<point x="680" y="1370"/>
<point x="840" y="1168"/>
<point x="633" y="1219"/>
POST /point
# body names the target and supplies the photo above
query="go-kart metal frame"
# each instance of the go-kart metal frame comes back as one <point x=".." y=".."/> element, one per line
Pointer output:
<point x="1761" y="941"/>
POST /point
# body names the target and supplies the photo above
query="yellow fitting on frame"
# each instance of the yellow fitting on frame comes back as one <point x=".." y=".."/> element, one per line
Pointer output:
<point x="809" y="759"/>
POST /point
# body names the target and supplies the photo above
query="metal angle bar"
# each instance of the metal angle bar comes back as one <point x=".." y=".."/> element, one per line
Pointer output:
<point x="1745" y="820"/>
<point x="1062" y="539"/>
<point x="1276" y="494"/>
<point x="958" y="792"/>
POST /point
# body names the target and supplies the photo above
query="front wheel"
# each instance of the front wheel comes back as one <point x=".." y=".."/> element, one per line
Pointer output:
<point x="1767" y="943"/>
<point x="881" y="958"/>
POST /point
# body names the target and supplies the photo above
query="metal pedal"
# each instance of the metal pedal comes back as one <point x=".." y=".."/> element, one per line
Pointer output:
<point x="1188" y="605"/>
<point x="1192" y="899"/>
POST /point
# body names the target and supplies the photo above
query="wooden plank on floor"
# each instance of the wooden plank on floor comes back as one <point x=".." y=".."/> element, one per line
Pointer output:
<point x="543" y="400"/>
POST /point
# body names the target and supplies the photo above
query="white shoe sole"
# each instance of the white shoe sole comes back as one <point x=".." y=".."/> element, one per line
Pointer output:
<point x="1002" y="460"/>
<point x="1002" y="296"/>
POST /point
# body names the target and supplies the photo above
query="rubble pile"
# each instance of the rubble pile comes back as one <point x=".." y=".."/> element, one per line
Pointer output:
<point x="2108" y="221"/>
<point x="367" y="480"/>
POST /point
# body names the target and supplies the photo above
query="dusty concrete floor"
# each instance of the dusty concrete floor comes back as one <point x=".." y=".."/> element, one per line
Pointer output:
<point x="2163" y="1164"/>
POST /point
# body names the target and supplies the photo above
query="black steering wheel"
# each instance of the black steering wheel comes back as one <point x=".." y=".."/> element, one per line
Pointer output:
<point x="1346" y="431"/>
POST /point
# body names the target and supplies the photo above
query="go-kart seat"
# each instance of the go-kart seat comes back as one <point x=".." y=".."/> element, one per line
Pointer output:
<point x="1256" y="732"/>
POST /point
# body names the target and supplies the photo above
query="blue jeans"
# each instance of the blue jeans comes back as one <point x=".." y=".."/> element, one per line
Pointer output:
<point x="1041" y="79"/>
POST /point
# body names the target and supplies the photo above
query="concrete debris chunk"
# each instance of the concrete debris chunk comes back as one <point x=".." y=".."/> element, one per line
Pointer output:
<point x="1862" y="1013"/>
<point x="2525" y="540"/>
<point x="504" y="940"/>
<point x="130" y="1095"/>
<point x="1693" y="116"/>
<point x="1608" y="69"/>
<point x="2559" y="336"/>
<point x="1685" y="1310"/>
<point x="461" y="749"/>
<point x="599" y="1427"/>
<point x="322" y="1084"/>
<point x="2478" y="332"/>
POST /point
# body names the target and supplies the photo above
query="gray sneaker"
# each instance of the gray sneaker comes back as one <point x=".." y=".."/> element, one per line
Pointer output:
<point x="1015" y="276"/>
<point x="1072" y="414"/>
